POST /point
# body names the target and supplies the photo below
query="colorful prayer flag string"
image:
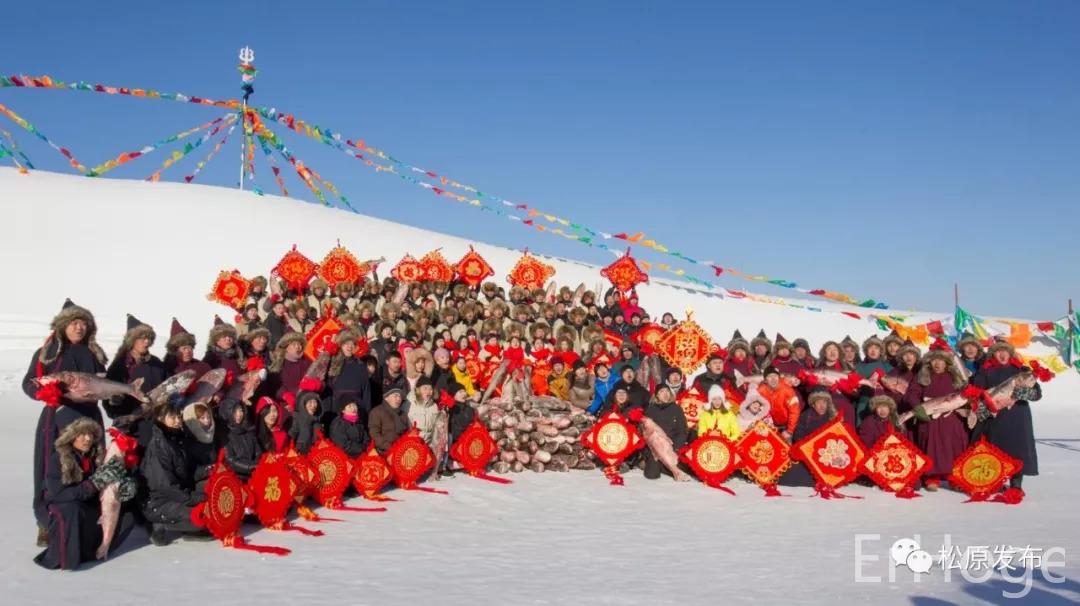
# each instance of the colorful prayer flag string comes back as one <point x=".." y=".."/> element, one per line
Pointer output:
<point x="30" y="128"/>
<point x="178" y="155"/>
<point x="23" y="81"/>
<point x="126" y="157"/>
<point x="13" y="147"/>
<point x="213" y="152"/>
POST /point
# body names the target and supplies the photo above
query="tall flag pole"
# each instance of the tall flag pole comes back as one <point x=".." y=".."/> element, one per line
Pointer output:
<point x="247" y="78"/>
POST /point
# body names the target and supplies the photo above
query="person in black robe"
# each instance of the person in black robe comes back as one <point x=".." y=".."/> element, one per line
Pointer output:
<point x="134" y="361"/>
<point x="170" y="484"/>
<point x="242" y="450"/>
<point x="180" y="353"/>
<point x="348" y="374"/>
<point x="819" y="411"/>
<point x="72" y="346"/>
<point x="72" y="499"/>
<point x="669" y="416"/>
<point x="1011" y="429"/>
<point x="306" y="423"/>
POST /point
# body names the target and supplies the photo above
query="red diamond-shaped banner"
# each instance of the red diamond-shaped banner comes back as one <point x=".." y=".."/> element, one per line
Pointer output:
<point x="530" y="273"/>
<point x="436" y="268"/>
<point x="686" y="346"/>
<point x="983" y="469"/>
<point x="472" y="269"/>
<point x="833" y="453"/>
<point x="625" y="273"/>
<point x="408" y="269"/>
<point x="230" y="288"/>
<point x="764" y="454"/>
<point x="340" y="266"/>
<point x="296" y="269"/>
<point x="894" y="463"/>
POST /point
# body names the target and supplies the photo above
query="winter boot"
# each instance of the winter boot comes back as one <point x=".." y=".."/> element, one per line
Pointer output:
<point x="159" y="536"/>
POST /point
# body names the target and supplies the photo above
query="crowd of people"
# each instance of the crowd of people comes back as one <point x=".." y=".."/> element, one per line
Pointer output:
<point x="408" y="350"/>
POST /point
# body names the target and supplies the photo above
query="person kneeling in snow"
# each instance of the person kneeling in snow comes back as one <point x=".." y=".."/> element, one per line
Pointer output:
<point x="171" y="493"/>
<point x="72" y="500"/>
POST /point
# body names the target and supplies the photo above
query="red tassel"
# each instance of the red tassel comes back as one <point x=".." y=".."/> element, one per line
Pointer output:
<point x="310" y="384"/>
<point x="286" y="525"/>
<point x="977" y="498"/>
<point x="722" y="488"/>
<point x="379" y="497"/>
<point x="309" y="515"/>
<point x="828" y="492"/>
<point x="1011" y="496"/>
<point x="772" y="491"/>
<point x="49" y="394"/>
<point x="611" y="472"/>
<point x="490" y="478"/>
<point x="238" y="542"/>
<point x="336" y="504"/>
<point x="426" y="489"/>
<point x="907" y="492"/>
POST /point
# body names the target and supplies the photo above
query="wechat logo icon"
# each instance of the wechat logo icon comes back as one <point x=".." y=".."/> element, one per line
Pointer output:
<point x="906" y="552"/>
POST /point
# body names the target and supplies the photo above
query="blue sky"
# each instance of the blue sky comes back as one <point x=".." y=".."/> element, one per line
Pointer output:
<point x="882" y="150"/>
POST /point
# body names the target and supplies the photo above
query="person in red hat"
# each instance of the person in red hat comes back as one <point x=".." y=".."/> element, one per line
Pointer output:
<point x="180" y="352"/>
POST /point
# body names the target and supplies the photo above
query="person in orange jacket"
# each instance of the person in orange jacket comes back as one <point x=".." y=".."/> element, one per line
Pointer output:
<point x="783" y="402"/>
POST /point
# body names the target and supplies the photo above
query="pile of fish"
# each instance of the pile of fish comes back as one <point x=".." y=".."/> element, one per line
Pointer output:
<point x="539" y="433"/>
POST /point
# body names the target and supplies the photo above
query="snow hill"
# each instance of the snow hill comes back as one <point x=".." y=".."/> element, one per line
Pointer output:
<point x="153" y="250"/>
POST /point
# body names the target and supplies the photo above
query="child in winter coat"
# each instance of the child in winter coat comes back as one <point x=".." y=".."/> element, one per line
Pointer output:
<point x="242" y="449"/>
<point x="716" y="415"/>
<point x="751" y="411"/>
<point x="348" y="431"/>
<point x="306" y="423"/>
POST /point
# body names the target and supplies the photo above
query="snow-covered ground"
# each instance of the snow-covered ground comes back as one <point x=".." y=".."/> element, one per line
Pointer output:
<point x="153" y="250"/>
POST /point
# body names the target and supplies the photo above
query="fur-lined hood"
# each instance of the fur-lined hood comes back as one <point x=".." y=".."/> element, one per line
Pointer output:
<point x="221" y="330"/>
<point x="70" y="471"/>
<point x="134" y="334"/>
<point x="190" y="414"/>
<point x="923" y="376"/>
<point x="412" y="356"/>
<point x="761" y="339"/>
<point x="969" y="339"/>
<point x="839" y="349"/>
<point x="825" y="395"/>
<point x="67" y="315"/>
<point x="998" y="346"/>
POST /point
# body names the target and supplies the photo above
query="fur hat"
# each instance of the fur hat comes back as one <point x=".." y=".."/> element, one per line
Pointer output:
<point x="499" y="304"/>
<point x="1000" y="344"/>
<point x="848" y="343"/>
<point x="70" y="471"/>
<point x="578" y="312"/>
<point x="469" y="307"/>
<point x="591" y="333"/>
<point x="737" y="342"/>
<point x="382" y="326"/>
<point x="347" y="335"/>
<point x="781" y="343"/>
<point x="258" y="281"/>
<point x="518" y="292"/>
<point x="522" y="309"/>
<point x="516" y="327"/>
<point x="390" y="308"/>
<point x="178" y="337"/>
<point x="539" y="325"/>
<point x="448" y="315"/>
<point x="820" y="393"/>
<point x="460" y="291"/>
<point x="318" y="283"/>
<point x="825" y="345"/>
<point x="411" y="357"/>
<point x="969" y="339"/>
<point x="135" y="330"/>
<point x="491" y="326"/>
<point x="489" y="288"/>
<point x="220" y="329"/>
<point x="907" y="346"/>
<point x="277" y="359"/>
<point x="951" y="367"/>
<point x="892" y="337"/>
<point x="883" y="400"/>
<point x="68" y="314"/>
<point x="873" y="340"/>
<point x="567" y="333"/>
<point x="761" y="339"/>
<point x="253" y="334"/>
<point x="800" y="342"/>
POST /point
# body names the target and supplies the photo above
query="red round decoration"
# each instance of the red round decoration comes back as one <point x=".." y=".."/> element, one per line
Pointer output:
<point x="296" y="269"/>
<point x="223" y="511"/>
<point x="712" y="457"/>
<point x="334" y="471"/>
<point x="474" y="449"/>
<point x="472" y="269"/>
<point x="530" y="273"/>
<point x="408" y="269"/>
<point x="372" y="474"/>
<point x="319" y="335"/>
<point x="686" y="346"/>
<point x="624" y="273"/>
<point x="983" y="469"/>
<point x="436" y="268"/>
<point x="833" y="453"/>
<point x="763" y="453"/>
<point x="409" y="459"/>
<point x="340" y="266"/>
<point x="305" y="479"/>
<point x="271" y="487"/>
<point x="230" y="288"/>
<point x="894" y="463"/>
<point x="612" y="438"/>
